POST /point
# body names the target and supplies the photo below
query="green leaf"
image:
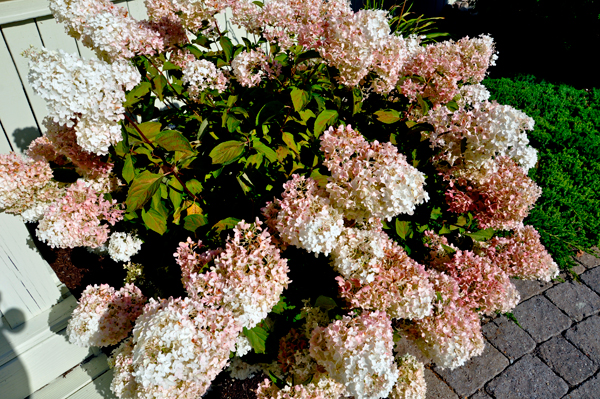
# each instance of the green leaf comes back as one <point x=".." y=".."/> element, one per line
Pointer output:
<point x="444" y="230"/>
<point x="203" y="126"/>
<point x="232" y="123"/>
<point x="142" y="189"/>
<point x="266" y="151"/>
<point x="306" y="115"/>
<point x="481" y="235"/>
<point x="227" y="152"/>
<point x="167" y="66"/>
<point x="288" y="138"/>
<point x="452" y="106"/>
<point x="325" y="302"/>
<point x="150" y="129"/>
<point x="307" y="55"/>
<point x="257" y="337"/>
<point x="192" y="222"/>
<point x="300" y="98"/>
<point x="388" y="116"/>
<point x="402" y="228"/>
<point x="269" y="111"/>
<point x="254" y="160"/>
<point x="319" y="178"/>
<point x="175" y="192"/>
<point x="225" y="224"/>
<point x="423" y="104"/>
<point x="281" y="306"/>
<point x="135" y="95"/>
<point x="172" y="140"/>
<point x="158" y="86"/>
<point x="448" y="249"/>
<point x="128" y="169"/>
<point x="435" y="213"/>
<point x="227" y="47"/>
<point x="194" y="186"/>
<point x="195" y="50"/>
<point x="155" y="220"/>
<point x="325" y="118"/>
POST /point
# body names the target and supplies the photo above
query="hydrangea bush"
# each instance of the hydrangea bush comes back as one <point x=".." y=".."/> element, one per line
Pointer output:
<point x="291" y="204"/>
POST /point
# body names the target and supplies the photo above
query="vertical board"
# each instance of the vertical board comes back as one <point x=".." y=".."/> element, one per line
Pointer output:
<point x="4" y="143"/>
<point x="54" y="36"/>
<point x="16" y="116"/>
<point x="19" y="37"/>
<point x="137" y="9"/>
<point x="26" y="285"/>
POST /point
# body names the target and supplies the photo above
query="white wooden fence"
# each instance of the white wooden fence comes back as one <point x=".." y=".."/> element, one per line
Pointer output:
<point x="36" y="360"/>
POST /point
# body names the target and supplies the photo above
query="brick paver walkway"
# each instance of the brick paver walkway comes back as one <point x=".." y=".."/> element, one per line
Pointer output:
<point x="555" y="353"/>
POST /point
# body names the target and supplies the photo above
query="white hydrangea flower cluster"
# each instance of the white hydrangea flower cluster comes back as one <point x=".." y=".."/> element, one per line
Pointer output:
<point x="242" y="345"/>
<point x="202" y="75"/>
<point x="358" y="353"/>
<point x="411" y="380"/>
<point x="249" y="67"/>
<point x="105" y="316"/>
<point x="122" y="246"/>
<point x="240" y="370"/>
<point x="358" y="252"/>
<point x="491" y="130"/>
<point x="370" y="179"/>
<point x="106" y="28"/>
<point x="473" y="94"/>
<point x="178" y="347"/>
<point x="88" y="95"/>
<point x="322" y="387"/>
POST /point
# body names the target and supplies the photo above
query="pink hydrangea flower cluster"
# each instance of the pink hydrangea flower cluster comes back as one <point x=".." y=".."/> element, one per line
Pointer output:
<point x="247" y="278"/>
<point x="357" y="352"/>
<point x="105" y="316"/>
<point x="26" y="186"/>
<point x="178" y="347"/>
<point x="59" y="145"/>
<point x="86" y="95"/>
<point x="521" y="255"/>
<point x="452" y="334"/>
<point x="411" y="379"/>
<point x="484" y="286"/>
<point x="191" y="261"/>
<point x="76" y="219"/>
<point x="249" y="67"/>
<point x="501" y="202"/>
<point x="400" y="287"/>
<point x="105" y="28"/>
<point x="369" y="179"/>
<point x="323" y="388"/>
<point x="443" y="65"/>
<point x="202" y="75"/>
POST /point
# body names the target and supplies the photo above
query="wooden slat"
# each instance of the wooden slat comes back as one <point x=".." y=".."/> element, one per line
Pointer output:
<point x="76" y="379"/>
<point x="35" y="368"/>
<point x="4" y="143"/>
<point x="19" y="10"/>
<point x="99" y="389"/>
<point x="54" y="35"/>
<point x="20" y="37"/>
<point x="137" y="9"/>
<point x="35" y="330"/>
<point x="26" y="287"/>
<point x="15" y="113"/>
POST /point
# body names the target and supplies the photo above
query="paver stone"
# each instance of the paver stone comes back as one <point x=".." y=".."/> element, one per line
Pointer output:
<point x="588" y="260"/>
<point x="508" y="338"/>
<point x="588" y="390"/>
<point x="527" y="378"/>
<point x="575" y="299"/>
<point x="529" y="288"/>
<point x="481" y="394"/>
<point x="586" y="336"/>
<point x="467" y="379"/>
<point x="436" y="388"/>
<point x="566" y="360"/>
<point x="540" y="318"/>
<point x="592" y="279"/>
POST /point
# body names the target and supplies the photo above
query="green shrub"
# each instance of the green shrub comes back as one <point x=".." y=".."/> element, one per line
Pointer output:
<point x="567" y="135"/>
